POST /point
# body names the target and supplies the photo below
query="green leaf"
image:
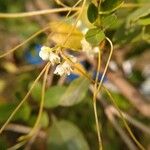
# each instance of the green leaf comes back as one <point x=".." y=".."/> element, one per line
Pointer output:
<point x="64" y="135"/>
<point x="7" y="108"/>
<point x="108" y="21"/>
<point x="109" y="6"/>
<point x="137" y="14"/>
<point x="53" y="96"/>
<point x="60" y="32"/>
<point x="36" y="92"/>
<point x="121" y="101"/>
<point x="75" y="93"/>
<point x="62" y="95"/>
<point x="95" y="36"/>
<point x="92" y="12"/>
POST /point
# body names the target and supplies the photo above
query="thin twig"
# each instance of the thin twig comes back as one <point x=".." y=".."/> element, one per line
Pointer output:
<point x="35" y="13"/>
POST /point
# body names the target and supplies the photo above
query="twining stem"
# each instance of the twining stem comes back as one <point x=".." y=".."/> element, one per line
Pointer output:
<point x="57" y="10"/>
<point x="73" y="7"/>
<point x="100" y="84"/>
<point x="37" y="123"/>
<point x="94" y="102"/>
<point x="35" y="13"/>
<point x="24" y="42"/>
<point x="60" y="3"/>
<point x="17" y="146"/>
<point x="76" y="21"/>
<point x="22" y="102"/>
<point x="123" y="119"/>
<point x="106" y="67"/>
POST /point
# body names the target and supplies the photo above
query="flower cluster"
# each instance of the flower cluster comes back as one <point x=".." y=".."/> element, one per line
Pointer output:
<point x="46" y="53"/>
<point x="64" y="68"/>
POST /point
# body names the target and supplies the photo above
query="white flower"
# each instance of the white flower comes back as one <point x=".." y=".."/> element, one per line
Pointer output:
<point x="54" y="58"/>
<point x="63" y="69"/>
<point x="47" y="54"/>
<point x="44" y="52"/>
<point x="85" y="45"/>
<point x="67" y="68"/>
<point x="59" y="70"/>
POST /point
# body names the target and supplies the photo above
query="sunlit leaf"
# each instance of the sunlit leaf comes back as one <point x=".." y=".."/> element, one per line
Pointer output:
<point x="64" y="135"/>
<point x="92" y="12"/>
<point x="95" y="36"/>
<point x="75" y="92"/>
<point x="60" y="31"/>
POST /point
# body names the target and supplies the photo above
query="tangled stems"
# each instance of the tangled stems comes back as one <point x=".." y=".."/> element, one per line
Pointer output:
<point x="123" y="119"/>
<point x="24" y="99"/>
<point x="106" y="67"/>
<point x="35" y="128"/>
<point x="94" y="102"/>
<point x="109" y="94"/>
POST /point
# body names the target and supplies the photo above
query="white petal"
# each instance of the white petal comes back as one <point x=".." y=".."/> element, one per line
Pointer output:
<point x="45" y="48"/>
<point x="44" y="55"/>
<point x="54" y="58"/>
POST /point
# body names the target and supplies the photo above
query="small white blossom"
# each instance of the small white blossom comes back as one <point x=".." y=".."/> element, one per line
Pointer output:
<point x="59" y="70"/>
<point x="67" y="68"/>
<point x="63" y="69"/>
<point x="44" y="52"/>
<point x="47" y="54"/>
<point x="44" y="55"/>
<point x="54" y="58"/>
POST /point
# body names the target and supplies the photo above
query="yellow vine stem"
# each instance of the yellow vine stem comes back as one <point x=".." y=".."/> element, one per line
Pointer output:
<point x="100" y="84"/>
<point x="59" y="2"/>
<point x="81" y="10"/>
<point x="35" y="127"/>
<point x="94" y="102"/>
<point x="78" y="2"/>
<point x="24" y="42"/>
<point x="24" y="99"/>
<point x="35" y="13"/>
<point x="17" y="146"/>
<point x="106" y="67"/>
<point x="123" y="119"/>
